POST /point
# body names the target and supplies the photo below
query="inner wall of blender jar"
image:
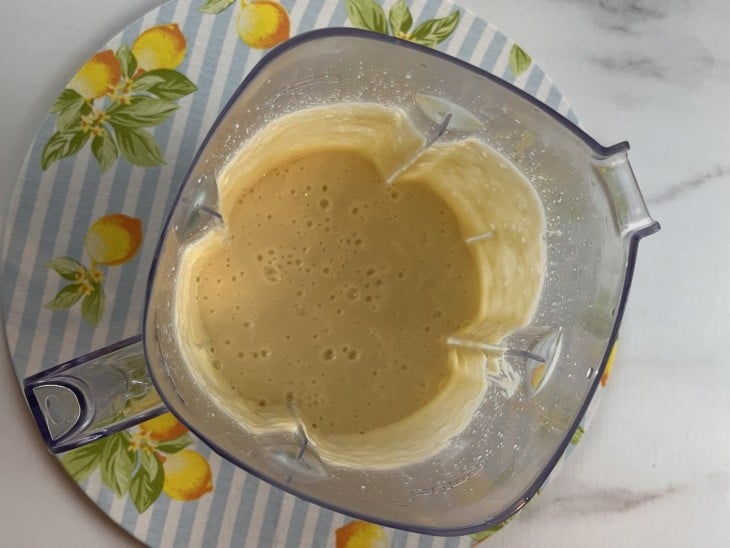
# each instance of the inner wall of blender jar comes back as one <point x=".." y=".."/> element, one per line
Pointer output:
<point x="510" y="441"/>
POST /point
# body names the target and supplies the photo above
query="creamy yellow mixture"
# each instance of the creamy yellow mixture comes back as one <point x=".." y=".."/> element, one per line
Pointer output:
<point x="331" y="295"/>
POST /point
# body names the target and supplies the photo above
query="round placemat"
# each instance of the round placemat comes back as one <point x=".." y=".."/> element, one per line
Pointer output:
<point x="89" y="207"/>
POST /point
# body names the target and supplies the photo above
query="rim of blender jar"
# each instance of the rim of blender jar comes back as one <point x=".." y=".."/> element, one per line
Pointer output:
<point x="343" y="32"/>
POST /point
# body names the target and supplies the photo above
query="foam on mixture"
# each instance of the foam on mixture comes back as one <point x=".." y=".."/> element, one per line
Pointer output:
<point x="330" y="292"/>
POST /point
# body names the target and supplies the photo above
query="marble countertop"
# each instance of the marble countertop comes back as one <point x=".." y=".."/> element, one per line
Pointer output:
<point x="654" y="467"/>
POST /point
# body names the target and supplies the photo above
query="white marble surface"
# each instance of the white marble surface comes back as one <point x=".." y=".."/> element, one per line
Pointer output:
<point x="654" y="468"/>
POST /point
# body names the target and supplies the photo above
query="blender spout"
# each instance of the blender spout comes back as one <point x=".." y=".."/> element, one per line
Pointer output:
<point x="630" y="213"/>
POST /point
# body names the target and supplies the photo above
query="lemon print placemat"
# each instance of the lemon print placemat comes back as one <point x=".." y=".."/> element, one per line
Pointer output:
<point x="89" y="208"/>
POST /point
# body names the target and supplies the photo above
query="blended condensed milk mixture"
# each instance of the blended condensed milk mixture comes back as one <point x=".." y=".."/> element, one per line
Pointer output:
<point x="334" y="296"/>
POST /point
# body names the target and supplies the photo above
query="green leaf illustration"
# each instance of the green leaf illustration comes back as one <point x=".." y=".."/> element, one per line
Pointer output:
<point x="146" y="484"/>
<point x="67" y="98"/>
<point x="141" y="112"/>
<point x="213" y="7"/>
<point x="519" y="61"/>
<point x="138" y="146"/>
<point x="69" y="119"/>
<point x="400" y="18"/>
<point x="62" y="145"/>
<point x="81" y="462"/>
<point x="484" y="535"/>
<point x="367" y="14"/>
<point x="166" y="84"/>
<point x="66" y="297"/>
<point x="92" y="307"/>
<point x="127" y="60"/>
<point x="69" y="106"/>
<point x="117" y="463"/>
<point x="68" y="268"/>
<point x="577" y="435"/>
<point x="105" y="150"/>
<point x="434" y="31"/>
<point x="173" y="446"/>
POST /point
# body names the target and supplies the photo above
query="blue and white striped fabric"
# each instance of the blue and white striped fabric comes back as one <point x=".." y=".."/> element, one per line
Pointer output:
<point x="52" y="210"/>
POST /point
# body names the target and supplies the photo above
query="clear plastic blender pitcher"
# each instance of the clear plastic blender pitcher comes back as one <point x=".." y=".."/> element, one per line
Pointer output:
<point x="595" y="217"/>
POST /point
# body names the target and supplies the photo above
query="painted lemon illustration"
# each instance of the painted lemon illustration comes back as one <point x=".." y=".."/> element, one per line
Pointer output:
<point x="113" y="239"/>
<point x="360" y="534"/>
<point x="262" y="24"/>
<point x="538" y="374"/>
<point x="111" y="103"/>
<point x="163" y="428"/>
<point x="160" y="47"/>
<point x="609" y="365"/>
<point x="98" y="76"/>
<point x="187" y="475"/>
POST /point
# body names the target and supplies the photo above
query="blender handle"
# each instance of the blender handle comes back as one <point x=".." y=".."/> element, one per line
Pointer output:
<point x="92" y="396"/>
<point x="632" y="216"/>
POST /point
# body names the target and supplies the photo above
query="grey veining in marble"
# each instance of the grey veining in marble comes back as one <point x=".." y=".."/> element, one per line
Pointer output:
<point x="655" y="41"/>
<point x="615" y="499"/>
<point x="716" y="175"/>
<point x="628" y="15"/>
